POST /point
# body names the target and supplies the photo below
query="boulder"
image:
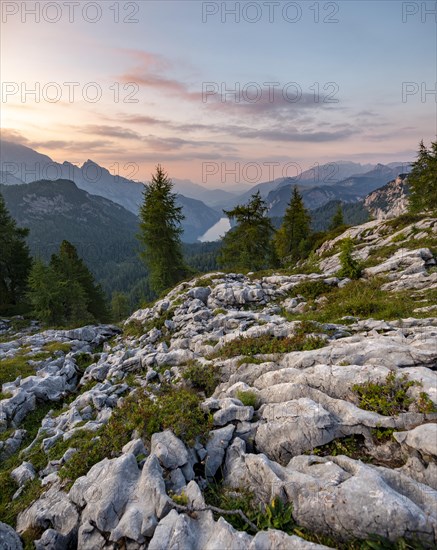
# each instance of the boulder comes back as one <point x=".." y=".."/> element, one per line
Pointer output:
<point x="23" y="473"/>
<point x="216" y="446"/>
<point x="422" y="438"/>
<point x="169" y="450"/>
<point x="288" y="429"/>
<point x="9" y="539"/>
<point x="231" y="413"/>
<point x="53" y="508"/>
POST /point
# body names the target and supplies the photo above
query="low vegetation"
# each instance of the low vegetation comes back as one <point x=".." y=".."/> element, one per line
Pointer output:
<point x="392" y="397"/>
<point x="204" y="378"/>
<point x="279" y="515"/>
<point x="9" y="509"/>
<point x="136" y="328"/>
<point x="361" y="298"/>
<point x="176" y="409"/>
<point x="248" y="359"/>
<point x="13" y="367"/>
<point x="311" y="290"/>
<point x="268" y="344"/>
<point x="248" y="398"/>
<point x="21" y="363"/>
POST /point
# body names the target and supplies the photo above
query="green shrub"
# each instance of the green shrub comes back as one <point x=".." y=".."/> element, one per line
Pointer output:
<point x="248" y="398"/>
<point x="424" y="404"/>
<point x="382" y="434"/>
<point x="267" y="344"/>
<point x="275" y="515"/>
<point x="202" y="377"/>
<point x="388" y="399"/>
<point x="398" y="238"/>
<point x="311" y="289"/>
<point x="404" y="220"/>
<point x="181" y="499"/>
<point x="351" y="446"/>
<point x="134" y="328"/>
<point x="83" y="360"/>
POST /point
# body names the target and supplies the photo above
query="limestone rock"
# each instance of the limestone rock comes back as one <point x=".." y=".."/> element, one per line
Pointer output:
<point x="9" y="539"/>
<point x="169" y="450"/>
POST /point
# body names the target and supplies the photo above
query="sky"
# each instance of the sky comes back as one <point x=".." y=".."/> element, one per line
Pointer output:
<point x="219" y="92"/>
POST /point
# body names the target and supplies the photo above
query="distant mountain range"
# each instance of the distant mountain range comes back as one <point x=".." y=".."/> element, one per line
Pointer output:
<point x="22" y="165"/>
<point x="350" y="189"/>
<point x="348" y="182"/>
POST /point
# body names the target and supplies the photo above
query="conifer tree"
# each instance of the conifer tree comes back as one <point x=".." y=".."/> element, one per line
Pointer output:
<point x="349" y="266"/>
<point x="15" y="261"/>
<point x="337" y="220"/>
<point x="45" y="294"/>
<point x="160" y="231"/>
<point x="422" y="181"/>
<point x="248" y="245"/>
<point x="293" y="235"/>
<point x="64" y="292"/>
<point x="83" y="299"/>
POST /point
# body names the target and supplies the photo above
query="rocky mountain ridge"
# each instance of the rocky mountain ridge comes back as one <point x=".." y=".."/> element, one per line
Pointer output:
<point x="389" y="201"/>
<point x="286" y="368"/>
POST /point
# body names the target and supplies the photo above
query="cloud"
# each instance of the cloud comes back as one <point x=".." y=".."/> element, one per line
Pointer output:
<point x="151" y="72"/>
<point x="296" y="135"/>
<point x="73" y="146"/>
<point x="143" y="119"/>
<point x="111" y="131"/>
<point x="8" y="134"/>
<point x="170" y="143"/>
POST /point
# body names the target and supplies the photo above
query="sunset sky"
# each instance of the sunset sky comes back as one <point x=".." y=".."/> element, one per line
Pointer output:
<point x="153" y="66"/>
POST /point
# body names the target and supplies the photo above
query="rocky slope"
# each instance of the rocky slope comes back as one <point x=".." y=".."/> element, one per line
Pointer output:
<point x="389" y="201"/>
<point x="268" y="393"/>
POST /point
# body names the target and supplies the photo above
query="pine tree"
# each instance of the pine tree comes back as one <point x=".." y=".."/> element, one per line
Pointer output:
<point x="160" y="231"/>
<point x="337" y="220"/>
<point x="45" y="294"/>
<point x="292" y="237"/>
<point x="248" y="246"/>
<point x="422" y="181"/>
<point x="15" y="261"/>
<point x="83" y="300"/>
<point x="349" y="266"/>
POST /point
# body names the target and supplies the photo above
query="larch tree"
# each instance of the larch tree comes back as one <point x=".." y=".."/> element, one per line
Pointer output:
<point x="160" y="233"/>
<point x="248" y="245"/>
